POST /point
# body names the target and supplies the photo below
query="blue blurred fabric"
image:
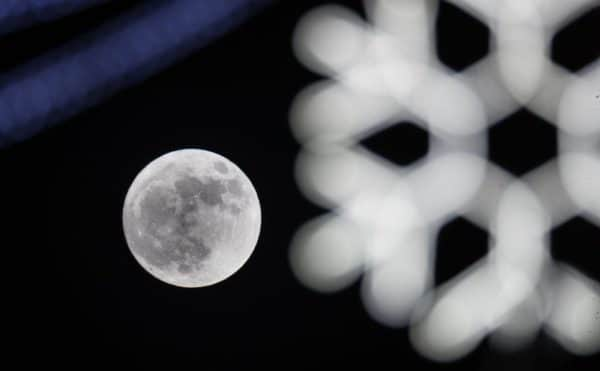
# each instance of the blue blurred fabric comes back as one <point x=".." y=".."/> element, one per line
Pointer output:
<point x="138" y="44"/>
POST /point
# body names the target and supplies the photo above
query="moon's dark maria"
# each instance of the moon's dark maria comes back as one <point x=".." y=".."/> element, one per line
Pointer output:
<point x="191" y="218"/>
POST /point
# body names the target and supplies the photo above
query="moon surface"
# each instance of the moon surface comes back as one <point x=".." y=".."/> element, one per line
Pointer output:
<point x="191" y="218"/>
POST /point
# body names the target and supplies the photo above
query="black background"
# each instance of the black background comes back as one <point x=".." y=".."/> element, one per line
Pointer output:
<point x="74" y="293"/>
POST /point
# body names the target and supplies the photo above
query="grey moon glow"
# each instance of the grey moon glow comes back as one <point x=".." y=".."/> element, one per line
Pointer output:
<point x="191" y="218"/>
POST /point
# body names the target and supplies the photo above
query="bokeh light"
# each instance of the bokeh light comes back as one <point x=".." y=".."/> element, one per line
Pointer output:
<point x="383" y="70"/>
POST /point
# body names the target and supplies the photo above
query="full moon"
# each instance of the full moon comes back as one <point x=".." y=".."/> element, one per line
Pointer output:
<point x="191" y="218"/>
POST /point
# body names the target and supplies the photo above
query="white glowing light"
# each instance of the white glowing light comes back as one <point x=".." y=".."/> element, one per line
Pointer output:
<point x="329" y="39"/>
<point x="327" y="254"/>
<point x="385" y="218"/>
<point x="576" y="312"/>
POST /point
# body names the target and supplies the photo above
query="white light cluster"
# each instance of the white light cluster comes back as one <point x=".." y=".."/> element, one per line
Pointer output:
<point x="384" y="218"/>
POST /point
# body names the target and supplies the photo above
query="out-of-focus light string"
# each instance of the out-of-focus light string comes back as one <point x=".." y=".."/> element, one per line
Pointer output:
<point x="384" y="218"/>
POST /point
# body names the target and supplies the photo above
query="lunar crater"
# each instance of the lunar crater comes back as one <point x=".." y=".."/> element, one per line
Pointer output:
<point x="221" y="167"/>
<point x="171" y="218"/>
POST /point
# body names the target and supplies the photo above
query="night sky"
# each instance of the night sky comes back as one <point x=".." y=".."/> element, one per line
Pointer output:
<point x="75" y="294"/>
